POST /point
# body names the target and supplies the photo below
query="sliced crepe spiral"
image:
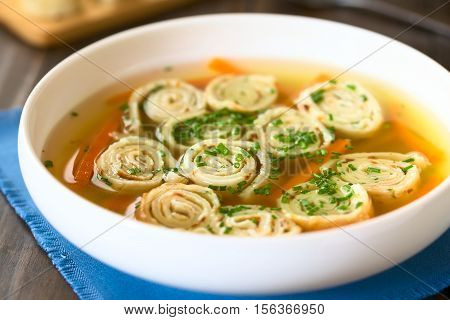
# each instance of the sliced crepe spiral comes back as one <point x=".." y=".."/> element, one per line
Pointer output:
<point x="238" y="167"/>
<point x="287" y="131"/>
<point x="344" y="105"/>
<point x="133" y="164"/>
<point x="164" y="99"/>
<point x="248" y="93"/>
<point x="326" y="202"/>
<point x="184" y="131"/>
<point x="178" y="205"/>
<point x="385" y="175"/>
<point x="253" y="220"/>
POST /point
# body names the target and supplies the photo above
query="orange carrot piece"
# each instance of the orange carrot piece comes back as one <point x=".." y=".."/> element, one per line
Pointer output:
<point x="84" y="163"/>
<point x="221" y="65"/>
<point x="200" y="82"/>
<point x="313" y="167"/>
<point x="416" y="142"/>
<point x="322" y="77"/>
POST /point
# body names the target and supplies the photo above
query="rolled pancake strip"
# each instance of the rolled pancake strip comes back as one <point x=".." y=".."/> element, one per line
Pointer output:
<point x="177" y="205"/>
<point x="344" y="105"/>
<point x="247" y="93"/>
<point x="386" y="176"/>
<point x="235" y="167"/>
<point x="133" y="164"/>
<point x="326" y="202"/>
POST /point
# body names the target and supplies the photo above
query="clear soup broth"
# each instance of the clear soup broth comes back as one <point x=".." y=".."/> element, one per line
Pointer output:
<point x="406" y="127"/>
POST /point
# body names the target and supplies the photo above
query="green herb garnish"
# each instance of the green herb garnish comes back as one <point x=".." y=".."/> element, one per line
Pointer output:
<point x="373" y="170"/>
<point x="48" y="163"/>
<point x="263" y="190"/>
<point x="405" y="169"/>
<point x="317" y="96"/>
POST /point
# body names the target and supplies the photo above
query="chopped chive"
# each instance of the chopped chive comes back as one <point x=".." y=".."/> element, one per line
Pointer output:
<point x="359" y="204"/>
<point x="373" y="170"/>
<point x="124" y="106"/>
<point x="227" y="230"/>
<point x="263" y="190"/>
<point x="352" y="167"/>
<point x="405" y="169"/>
<point x="351" y="87"/>
<point x="48" y="163"/>
<point x="317" y="96"/>
<point x="222" y="149"/>
<point x="330" y="117"/>
<point x="104" y="180"/>
<point x="134" y="171"/>
<point x="277" y="122"/>
<point x="409" y="160"/>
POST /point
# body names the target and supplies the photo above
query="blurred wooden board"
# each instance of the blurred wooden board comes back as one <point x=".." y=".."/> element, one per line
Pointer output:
<point x="93" y="17"/>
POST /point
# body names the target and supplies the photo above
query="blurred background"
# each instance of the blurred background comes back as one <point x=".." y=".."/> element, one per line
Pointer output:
<point x="36" y="34"/>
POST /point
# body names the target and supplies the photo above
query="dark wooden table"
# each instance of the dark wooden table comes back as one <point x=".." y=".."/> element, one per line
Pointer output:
<point x="21" y="67"/>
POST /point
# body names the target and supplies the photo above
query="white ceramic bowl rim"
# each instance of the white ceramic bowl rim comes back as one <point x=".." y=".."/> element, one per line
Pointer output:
<point x="113" y="218"/>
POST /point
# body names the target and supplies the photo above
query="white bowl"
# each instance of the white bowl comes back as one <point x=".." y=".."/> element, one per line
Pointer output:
<point x="227" y="264"/>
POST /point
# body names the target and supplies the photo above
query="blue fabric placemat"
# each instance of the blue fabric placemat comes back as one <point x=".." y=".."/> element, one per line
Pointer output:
<point x="91" y="279"/>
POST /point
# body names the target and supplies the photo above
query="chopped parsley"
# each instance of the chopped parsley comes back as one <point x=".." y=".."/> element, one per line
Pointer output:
<point x="352" y="166"/>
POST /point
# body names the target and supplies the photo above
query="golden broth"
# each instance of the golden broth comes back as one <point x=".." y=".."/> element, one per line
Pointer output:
<point x="407" y="128"/>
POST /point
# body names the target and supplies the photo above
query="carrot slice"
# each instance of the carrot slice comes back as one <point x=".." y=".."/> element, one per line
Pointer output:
<point x="84" y="162"/>
<point x="416" y="142"/>
<point x="313" y="167"/>
<point x="223" y="66"/>
<point x="200" y="82"/>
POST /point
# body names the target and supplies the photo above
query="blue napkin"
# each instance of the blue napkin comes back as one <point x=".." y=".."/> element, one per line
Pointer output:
<point x="91" y="279"/>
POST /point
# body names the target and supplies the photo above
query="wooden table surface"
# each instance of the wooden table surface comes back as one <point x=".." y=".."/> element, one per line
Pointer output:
<point x="21" y="67"/>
